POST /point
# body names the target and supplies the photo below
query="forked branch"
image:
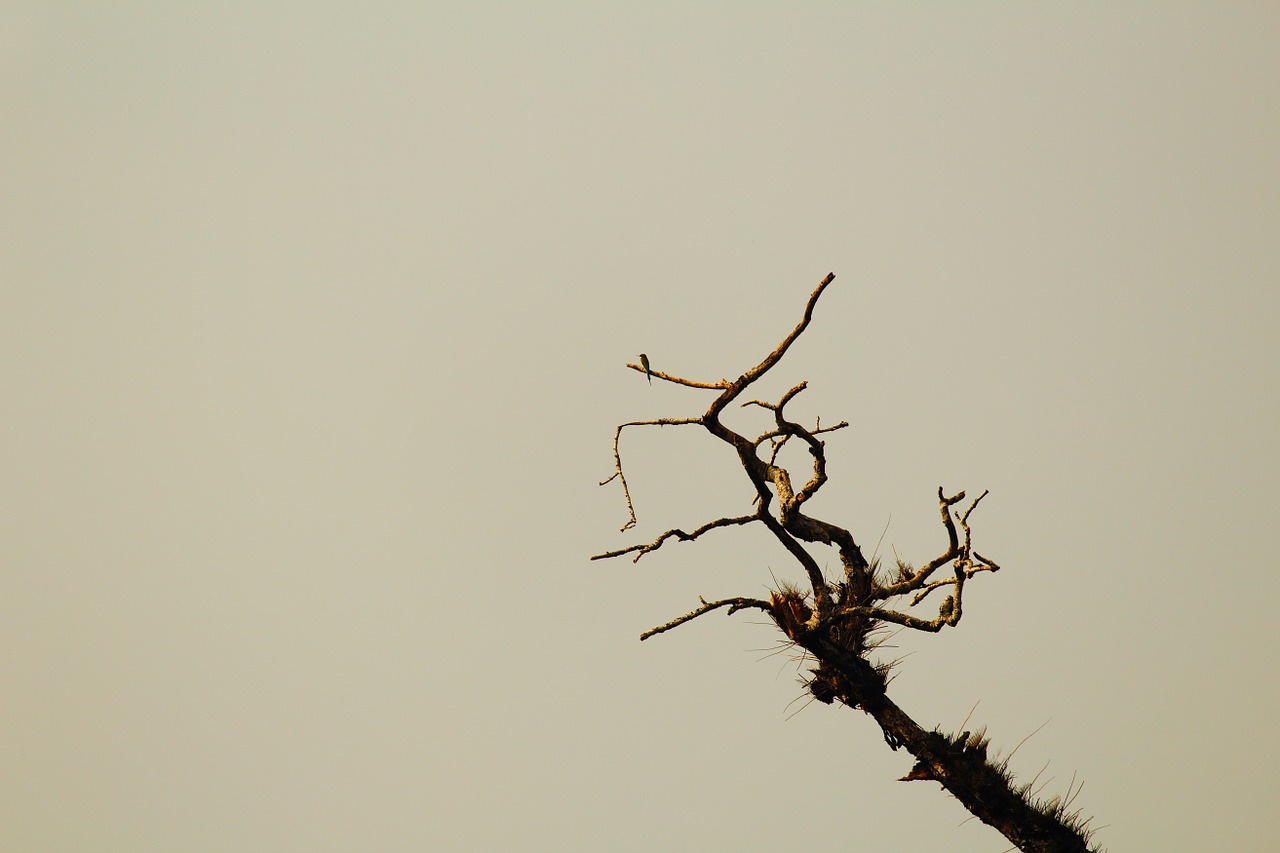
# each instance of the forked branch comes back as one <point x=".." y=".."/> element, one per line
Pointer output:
<point x="835" y="621"/>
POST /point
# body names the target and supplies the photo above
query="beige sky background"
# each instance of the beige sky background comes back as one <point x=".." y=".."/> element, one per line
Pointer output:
<point x="313" y="338"/>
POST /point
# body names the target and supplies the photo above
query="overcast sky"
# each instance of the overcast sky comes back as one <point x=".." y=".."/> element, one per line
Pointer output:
<point x="314" y="332"/>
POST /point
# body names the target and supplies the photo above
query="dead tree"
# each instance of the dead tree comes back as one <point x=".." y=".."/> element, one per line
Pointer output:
<point x="837" y="623"/>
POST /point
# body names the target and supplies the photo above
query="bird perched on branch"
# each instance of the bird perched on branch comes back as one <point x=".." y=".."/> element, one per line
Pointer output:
<point x="644" y="362"/>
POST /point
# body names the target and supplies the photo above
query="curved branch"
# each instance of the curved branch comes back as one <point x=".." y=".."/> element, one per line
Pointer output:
<point x="734" y="605"/>
<point x="917" y="580"/>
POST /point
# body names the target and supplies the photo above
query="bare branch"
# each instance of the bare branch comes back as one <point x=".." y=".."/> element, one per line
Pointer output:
<point x="819" y="477"/>
<point x="714" y="386"/>
<point x="821" y="592"/>
<point x="917" y="580"/>
<point x="785" y="436"/>
<point x="776" y="408"/>
<point x="821" y="429"/>
<point x="933" y="626"/>
<point x="734" y="605"/>
<point x="990" y="565"/>
<point x="969" y="571"/>
<point x="679" y="534"/>
<point x="772" y="358"/>
<point x="930" y="587"/>
<point x="782" y="437"/>
<point x="964" y="519"/>
<point x="617" y="459"/>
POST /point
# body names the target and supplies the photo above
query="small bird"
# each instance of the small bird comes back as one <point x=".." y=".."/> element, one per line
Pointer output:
<point x="644" y="362"/>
